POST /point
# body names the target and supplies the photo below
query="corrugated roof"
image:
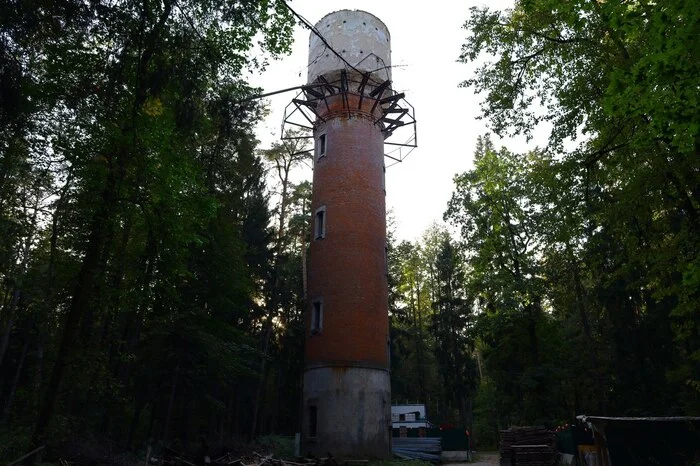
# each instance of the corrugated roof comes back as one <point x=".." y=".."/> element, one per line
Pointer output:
<point x="586" y="418"/>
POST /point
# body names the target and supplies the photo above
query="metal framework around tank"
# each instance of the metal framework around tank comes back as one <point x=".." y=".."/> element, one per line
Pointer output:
<point x="397" y="120"/>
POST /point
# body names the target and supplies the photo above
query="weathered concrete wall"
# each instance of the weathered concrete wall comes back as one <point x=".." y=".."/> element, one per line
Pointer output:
<point x="359" y="37"/>
<point x="353" y="412"/>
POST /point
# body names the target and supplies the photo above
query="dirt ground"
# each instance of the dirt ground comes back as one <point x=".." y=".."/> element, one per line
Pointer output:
<point x="482" y="459"/>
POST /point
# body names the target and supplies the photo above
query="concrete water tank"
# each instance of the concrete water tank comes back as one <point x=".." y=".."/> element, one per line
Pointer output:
<point x="359" y="37"/>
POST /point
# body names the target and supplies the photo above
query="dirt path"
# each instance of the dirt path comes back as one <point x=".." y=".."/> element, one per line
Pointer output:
<point x="485" y="459"/>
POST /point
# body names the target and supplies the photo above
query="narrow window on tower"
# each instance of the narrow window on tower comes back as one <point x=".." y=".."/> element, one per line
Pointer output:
<point x="388" y="353"/>
<point x="313" y="421"/>
<point x="316" y="316"/>
<point x="320" y="223"/>
<point x="321" y="146"/>
<point x="384" y="179"/>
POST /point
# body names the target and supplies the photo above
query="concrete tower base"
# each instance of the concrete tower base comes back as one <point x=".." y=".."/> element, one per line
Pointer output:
<point x="347" y="412"/>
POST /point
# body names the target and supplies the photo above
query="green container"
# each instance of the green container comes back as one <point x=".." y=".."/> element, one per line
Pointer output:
<point x="455" y="439"/>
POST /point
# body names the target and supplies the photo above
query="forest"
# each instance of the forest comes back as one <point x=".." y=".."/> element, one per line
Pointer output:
<point x="153" y="254"/>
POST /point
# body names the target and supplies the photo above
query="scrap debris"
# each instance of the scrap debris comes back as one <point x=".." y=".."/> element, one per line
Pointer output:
<point x="253" y="459"/>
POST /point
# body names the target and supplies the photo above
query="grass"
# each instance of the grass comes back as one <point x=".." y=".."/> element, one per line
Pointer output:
<point x="280" y="446"/>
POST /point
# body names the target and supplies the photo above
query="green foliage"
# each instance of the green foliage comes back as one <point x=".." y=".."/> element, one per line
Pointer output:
<point x="135" y="213"/>
<point x="14" y="443"/>
<point x="487" y="407"/>
<point x="281" y="447"/>
<point x="431" y="327"/>
<point x="608" y="242"/>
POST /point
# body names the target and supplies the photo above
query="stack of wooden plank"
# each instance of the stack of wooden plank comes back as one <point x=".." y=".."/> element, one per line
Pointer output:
<point x="528" y="446"/>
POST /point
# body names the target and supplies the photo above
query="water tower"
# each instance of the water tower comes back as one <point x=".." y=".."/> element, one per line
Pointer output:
<point x="352" y="111"/>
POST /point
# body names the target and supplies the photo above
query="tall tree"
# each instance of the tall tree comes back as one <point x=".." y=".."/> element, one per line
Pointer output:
<point x="492" y="207"/>
<point x="129" y="174"/>
<point x="620" y="79"/>
<point x="283" y="157"/>
<point x="452" y="324"/>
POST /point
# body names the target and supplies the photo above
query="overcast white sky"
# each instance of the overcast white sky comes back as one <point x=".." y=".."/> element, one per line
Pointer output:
<point x="426" y="38"/>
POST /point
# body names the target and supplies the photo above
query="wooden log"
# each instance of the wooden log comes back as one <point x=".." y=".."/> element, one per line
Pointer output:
<point x="36" y="450"/>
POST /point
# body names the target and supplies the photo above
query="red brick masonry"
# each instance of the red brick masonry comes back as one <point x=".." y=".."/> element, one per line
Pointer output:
<point x="347" y="268"/>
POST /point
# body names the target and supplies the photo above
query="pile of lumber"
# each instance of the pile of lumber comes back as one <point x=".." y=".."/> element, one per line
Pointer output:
<point x="528" y="446"/>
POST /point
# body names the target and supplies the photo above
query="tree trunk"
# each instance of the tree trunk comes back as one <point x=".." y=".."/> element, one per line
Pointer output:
<point x="462" y="410"/>
<point x="4" y="343"/>
<point x="51" y="276"/>
<point x="83" y="297"/>
<point x="140" y="404"/>
<point x="592" y="353"/>
<point x="84" y="293"/>
<point x="532" y="333"/>
<point x="283" y="172"/>
<point x="39" y="370"/>
<point x="17" y="290"/>
<point x="478" y="363"/>
<point x="171" y="403"/>
<point x="261" y="379"/>
<point x="420" y="349"/>
<point x="134" y="322"/>
<point x="15" y="381"/>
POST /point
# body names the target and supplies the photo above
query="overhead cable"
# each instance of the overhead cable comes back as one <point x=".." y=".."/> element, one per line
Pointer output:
<point x="310" y="27"/>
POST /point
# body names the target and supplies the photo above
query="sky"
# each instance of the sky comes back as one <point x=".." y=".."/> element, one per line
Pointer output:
<point x="426" y="38"/>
